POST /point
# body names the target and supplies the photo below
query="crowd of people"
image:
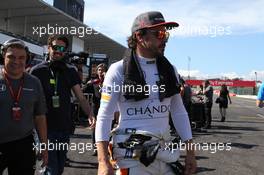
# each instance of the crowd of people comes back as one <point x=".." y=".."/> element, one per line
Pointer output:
<point x="205" y="96"/>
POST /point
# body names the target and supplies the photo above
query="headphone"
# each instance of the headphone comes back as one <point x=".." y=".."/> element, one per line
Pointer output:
<point x="11" y="42"/>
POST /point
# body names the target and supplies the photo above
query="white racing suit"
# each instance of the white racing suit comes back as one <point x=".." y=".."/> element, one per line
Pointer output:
<point x="150" y="115"/>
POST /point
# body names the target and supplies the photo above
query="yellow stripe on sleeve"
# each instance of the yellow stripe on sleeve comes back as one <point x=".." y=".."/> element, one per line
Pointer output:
<point x="105" y="97"/>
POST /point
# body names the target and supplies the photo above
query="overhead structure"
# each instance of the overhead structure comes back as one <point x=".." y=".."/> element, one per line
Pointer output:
<point x="29" y="19"/>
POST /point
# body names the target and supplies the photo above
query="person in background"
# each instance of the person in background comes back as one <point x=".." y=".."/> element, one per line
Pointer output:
<point x="208" y="102"/>
<point x="96" y="85"/>
<point x="186" y="93"/>
<point x="260" y="97"/>
<point x="58" y="79"/>
<point x="200" y="91"/>
<point x="223" y="101"/>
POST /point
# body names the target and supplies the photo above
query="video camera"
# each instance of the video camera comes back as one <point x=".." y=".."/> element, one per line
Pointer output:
<point x="76" y="58"/>
<point x="69" y="58"/>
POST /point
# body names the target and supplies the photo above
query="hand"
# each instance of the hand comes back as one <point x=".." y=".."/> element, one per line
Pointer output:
<point x="89" y="82"/>
<point x="44" y="156"/>
<point x="190" y="164"/>
<point x="105" y="169"/>
<point x="92" y="122"/>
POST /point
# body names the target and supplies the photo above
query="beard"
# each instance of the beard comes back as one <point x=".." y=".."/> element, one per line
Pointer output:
<point x="154" y="49"/>
<point x="159" y="50"/>
<point x="58" y="65"/>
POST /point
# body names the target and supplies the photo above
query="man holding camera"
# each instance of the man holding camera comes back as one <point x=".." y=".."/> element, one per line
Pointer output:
<point x="22" y="108"/>
<point x="58" y="79"/>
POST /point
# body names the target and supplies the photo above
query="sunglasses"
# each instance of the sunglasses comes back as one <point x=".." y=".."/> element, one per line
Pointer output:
<point x="58" y="48"/>
<point x="160" y="34"/>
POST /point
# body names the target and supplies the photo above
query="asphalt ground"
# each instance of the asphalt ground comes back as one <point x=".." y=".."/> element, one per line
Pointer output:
<point x="244" y="132"/>
<point x="234" y="147"/>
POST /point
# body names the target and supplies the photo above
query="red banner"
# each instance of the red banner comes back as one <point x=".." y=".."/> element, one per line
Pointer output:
<point x="233" y="83"/>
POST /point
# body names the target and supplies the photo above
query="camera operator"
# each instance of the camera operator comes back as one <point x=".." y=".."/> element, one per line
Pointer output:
<point x="79" y="60"/>
<point x="58" y="78"/>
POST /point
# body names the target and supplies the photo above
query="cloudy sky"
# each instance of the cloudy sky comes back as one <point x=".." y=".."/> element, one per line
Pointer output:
<point x="220" y="38"/>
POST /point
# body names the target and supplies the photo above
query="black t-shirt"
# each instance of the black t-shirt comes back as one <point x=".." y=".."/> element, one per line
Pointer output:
<point x="58" y="119"/>
<point x="224" y="94"/>
<point x="94" y="88"/>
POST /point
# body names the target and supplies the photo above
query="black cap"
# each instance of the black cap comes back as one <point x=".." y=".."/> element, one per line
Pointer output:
<point x="151" y="19"/>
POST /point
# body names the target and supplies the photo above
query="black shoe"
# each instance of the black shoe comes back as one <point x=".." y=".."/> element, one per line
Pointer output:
<point x="67" y="162"/>
<point x="222" y="119"/>
<point x="95" y="153"/>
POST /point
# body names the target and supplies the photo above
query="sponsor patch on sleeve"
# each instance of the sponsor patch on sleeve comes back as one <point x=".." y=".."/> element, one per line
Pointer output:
<point x="105" y="97"/>
<point x="106" y="93"/>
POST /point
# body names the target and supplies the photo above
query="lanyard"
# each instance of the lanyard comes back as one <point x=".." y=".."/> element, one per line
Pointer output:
<point x="54" y="81"/>
<point x="15" y="96"/>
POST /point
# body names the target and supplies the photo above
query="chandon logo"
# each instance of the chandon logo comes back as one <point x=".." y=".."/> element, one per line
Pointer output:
<point x="150" y="111"/>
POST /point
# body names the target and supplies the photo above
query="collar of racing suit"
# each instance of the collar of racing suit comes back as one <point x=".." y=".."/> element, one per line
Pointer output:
<point x="133" y="76"/>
